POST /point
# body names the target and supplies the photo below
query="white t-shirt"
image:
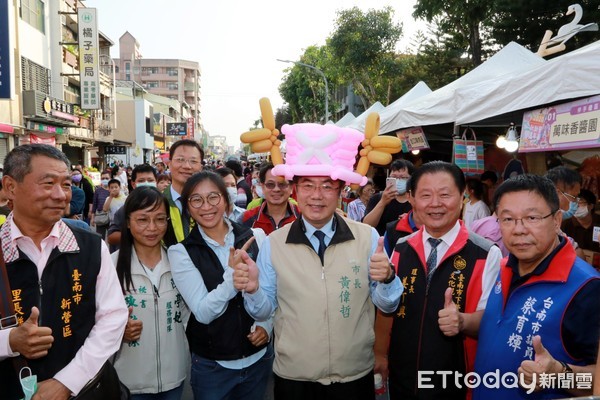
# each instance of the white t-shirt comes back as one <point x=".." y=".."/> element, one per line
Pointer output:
<point x="476" y="211"/>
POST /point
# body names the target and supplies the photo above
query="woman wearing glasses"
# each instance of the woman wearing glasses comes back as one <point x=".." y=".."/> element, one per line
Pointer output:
<point x="231" y="354"/>
<point x="356" y="209"/>
<point x="153" y="358"/>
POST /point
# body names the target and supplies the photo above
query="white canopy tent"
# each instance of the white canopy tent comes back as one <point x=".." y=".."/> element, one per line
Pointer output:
<point x="572" y="75"/>
<point x="419" y="90"/>
<point x="441" y="106"/>
<point x="346" y="119"/>
<point x="359" y="122"/>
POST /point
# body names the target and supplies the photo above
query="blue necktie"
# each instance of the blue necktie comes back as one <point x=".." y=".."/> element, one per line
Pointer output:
<point x="322" y="246"/>
<point x="432" y="259"/>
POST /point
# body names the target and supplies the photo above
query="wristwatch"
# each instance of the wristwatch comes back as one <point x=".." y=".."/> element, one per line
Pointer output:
<point x="566" y="368"/>
<point x="391" y="278"/>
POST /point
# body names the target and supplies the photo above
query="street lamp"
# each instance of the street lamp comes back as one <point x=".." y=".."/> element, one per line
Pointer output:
<point x="324" y="78"/>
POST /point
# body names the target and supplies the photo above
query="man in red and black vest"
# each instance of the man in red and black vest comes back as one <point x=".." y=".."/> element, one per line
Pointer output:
<point x="69" y="309"/>
<point x="277" y="209"/>
<point x="447" y="273"/>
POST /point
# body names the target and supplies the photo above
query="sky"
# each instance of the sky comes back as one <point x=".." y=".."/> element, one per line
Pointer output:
<point x="237" y="44"/>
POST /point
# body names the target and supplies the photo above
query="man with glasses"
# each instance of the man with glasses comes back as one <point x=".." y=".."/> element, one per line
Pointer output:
<point x="320" y="275"/>
<point x="277" y="210"/>
<point x="541" y="319"/>
<point x="186" y="157"/>
<point x="447" y="273"/>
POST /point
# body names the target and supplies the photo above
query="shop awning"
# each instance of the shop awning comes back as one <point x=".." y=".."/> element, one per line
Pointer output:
<point x="5" y="128"/>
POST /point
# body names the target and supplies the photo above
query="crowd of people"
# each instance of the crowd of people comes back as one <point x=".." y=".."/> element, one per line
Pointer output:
<point x="228" y="275"/>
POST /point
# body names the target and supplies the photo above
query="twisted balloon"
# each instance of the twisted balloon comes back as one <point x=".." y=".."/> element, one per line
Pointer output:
<point x="265" y="139"/>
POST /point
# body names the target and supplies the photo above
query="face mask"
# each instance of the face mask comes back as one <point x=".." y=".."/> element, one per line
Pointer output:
<point x="28" y="384"/>
<point x="582" y="211"/>
<point x="104" y="182"/>
<point x="259" y="191"/>
<point x="149" y="184"/>
<point x="232" y="192"/>
<point x="401" y="185"/>
<point x="573" y="205"/>
<point x="467" y="196"/>
<point x="254" y="182"/>
<point x="76" y="178"/>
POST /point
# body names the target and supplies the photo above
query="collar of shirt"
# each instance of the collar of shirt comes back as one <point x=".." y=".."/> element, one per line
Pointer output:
<point x="13" y="239"/>
<point x="237" y="213"/>
<point x="175" y="196"/>
<point x="447" y="239"/>
<point x="222" y="252"/>
<point x="327" y="229"/>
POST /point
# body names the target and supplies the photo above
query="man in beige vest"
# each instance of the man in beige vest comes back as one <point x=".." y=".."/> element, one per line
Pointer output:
<point x="320" y="276"/>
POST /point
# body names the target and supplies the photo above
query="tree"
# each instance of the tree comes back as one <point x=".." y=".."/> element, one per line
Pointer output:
<point x="462" y="20"/>
<point x="363" y="45"/>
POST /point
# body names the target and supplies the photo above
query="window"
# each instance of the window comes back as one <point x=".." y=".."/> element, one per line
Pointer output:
<point x="149" y="70"/>
<point x="172" y="71"/>
<point x="172" y="85"/>
<point x="32" y="12"/>
<point x="116" y="69"/>
<point x="34" y="76"/>
<point x="152" y="84"/>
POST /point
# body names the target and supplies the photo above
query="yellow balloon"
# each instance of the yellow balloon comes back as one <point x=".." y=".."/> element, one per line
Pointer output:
<point x="390" y="150"/>
<point x="255" y="135"/>
<point x="266" y="111"/>
<point x="276" y="158"/>
<point x="380" y="158"/>
<point x="365" y="142"/>
<point x="386" y="141"/>
<point x="363" y="166"/>
<point x="262" y="146"/>
<point x="372" y="125"/>
<point x="363" y="152"/>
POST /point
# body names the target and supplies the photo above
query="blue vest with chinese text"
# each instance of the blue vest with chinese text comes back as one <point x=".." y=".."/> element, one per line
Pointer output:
<point x="506" y="330"/>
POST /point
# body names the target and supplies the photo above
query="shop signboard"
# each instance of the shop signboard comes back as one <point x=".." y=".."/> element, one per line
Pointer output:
<point x="567" y="126"/>
<point x="88" y="58"/>
<point x="176" y="128"/>
<point x="190" y="128"/>
<point x="115" y="150"/>
<point x="412" y="139"/>
<point x="42" y="140"/>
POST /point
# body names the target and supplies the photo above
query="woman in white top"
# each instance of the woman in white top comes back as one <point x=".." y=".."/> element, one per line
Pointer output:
<point x="356" y="208"/>
<point x="475" y="207"/>
<point x="154" y="357"/>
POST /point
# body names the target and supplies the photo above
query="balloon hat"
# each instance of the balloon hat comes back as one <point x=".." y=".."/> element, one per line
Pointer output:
<point x="265" y="139"/>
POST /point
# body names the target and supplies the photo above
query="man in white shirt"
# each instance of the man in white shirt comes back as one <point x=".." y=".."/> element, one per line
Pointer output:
<point x="69" y="311"/>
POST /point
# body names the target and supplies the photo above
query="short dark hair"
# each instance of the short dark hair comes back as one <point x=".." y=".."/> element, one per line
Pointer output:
<point x="194" y="181"/>
<point x="17" y="163"/>
<point x="361" y="189"/>
<point x="476" y="186"/>
<point x="401" y="164"/>
<point x="529" y="183"/>
<point x="236" y="167"/>
<point x="588" y="196"/>
<point x="568" y="177"/>
<point x="262" y="173"/>
<point x="163" y="177"/>
<point x="142" y="168"/>
<point x="433" y="167"/>
<point x="118" y="182"/>
<point x="186" y="142"/>
<point x="224" y="172"/>
<point x="489" y="175"/>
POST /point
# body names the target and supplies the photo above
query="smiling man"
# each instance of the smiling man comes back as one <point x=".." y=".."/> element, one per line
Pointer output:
<point x="447" y="273"/>
<point x="321" y="275"/>
<point x="543" y="315"/>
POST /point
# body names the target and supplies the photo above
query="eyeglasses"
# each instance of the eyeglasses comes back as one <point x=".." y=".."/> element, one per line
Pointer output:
<point x="570" y="197"/>
<point x="212" y="199"/>
<point x="530" y="221"/>
<point x="181" y="160"/>
<point x="160" y="221"/>
<point x="280" y="185"/>
<point x="369" y="190"/>
<point x="309" y="188"/>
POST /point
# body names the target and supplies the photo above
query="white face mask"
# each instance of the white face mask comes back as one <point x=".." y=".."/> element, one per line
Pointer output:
<point x="150" y="184"/>
<point x="232" y="192"/>
<point x="259" y="191"/>
<point x="582" y="212"/>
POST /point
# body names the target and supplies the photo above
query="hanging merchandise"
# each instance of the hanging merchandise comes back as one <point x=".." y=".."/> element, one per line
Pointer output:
<point x="468" y="153"/>
<point x="590" y="173"/>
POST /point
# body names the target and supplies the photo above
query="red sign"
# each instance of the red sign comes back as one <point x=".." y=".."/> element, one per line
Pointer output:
<point x="190" y="128"/>
<point x="42" y="140"/>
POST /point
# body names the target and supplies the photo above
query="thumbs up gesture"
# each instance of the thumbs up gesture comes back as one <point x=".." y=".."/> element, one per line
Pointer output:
<point x="245" y="274"/>
<point x="133" y="329"/>
<point x="543" y="362"/>
<point x="29" y="339"/>
<point x="380" y="269"/>
<point x="450" y="319"/>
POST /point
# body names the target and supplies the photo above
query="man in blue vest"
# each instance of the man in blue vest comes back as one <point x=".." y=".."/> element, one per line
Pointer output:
<point x="538" y="337"/>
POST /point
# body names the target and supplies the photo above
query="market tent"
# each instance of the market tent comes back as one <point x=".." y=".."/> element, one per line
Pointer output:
<point x="441" y="106"/>
<point x="386" y="116"/>
<point x="359" y="122"/>
<point x="569" y="76"/>
<point x="346" y="119"/>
